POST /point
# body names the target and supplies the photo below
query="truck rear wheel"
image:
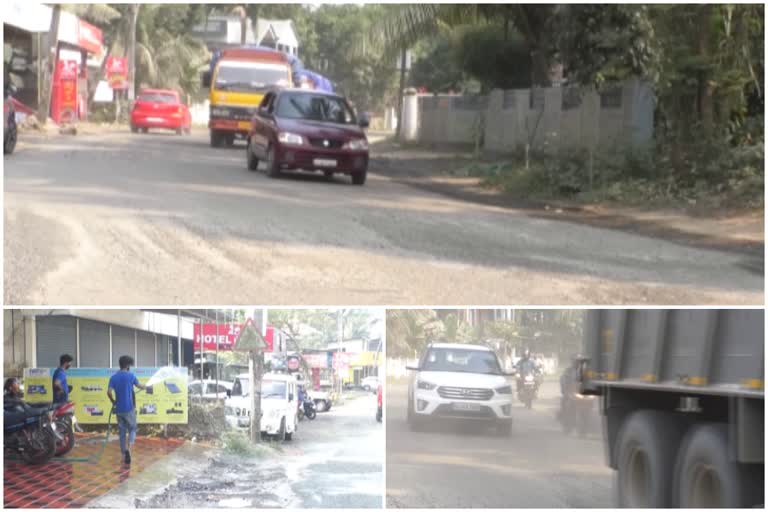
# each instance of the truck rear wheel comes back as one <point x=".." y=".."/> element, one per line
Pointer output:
<point x="216" y="139"/>
<point x="646" y="456"/>
<point x="706" y="475"/>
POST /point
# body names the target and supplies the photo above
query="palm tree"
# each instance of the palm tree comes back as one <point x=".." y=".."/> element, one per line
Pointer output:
<point x="409" y="331"/>
<point x="407" y="24"/>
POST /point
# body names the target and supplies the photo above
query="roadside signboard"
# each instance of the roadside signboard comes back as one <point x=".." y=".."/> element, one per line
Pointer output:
<point x="316" y="360"/>
<point x="250" y="339"/>
<point x="166" y="403"/>
<point x="211" y="334"/>
<point x="117" y="72"/>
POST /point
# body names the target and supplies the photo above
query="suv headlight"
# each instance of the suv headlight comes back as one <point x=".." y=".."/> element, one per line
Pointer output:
<point x="290" y="138"/>
<point x="529" y="378"/>
<point x="504" y="390"/>
<point x="356" y="145"/>
<point x="422" y="384"/>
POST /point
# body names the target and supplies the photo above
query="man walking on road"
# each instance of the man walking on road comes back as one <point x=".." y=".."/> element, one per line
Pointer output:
<point x="121" y="384"/>
<point x="60" y="386"/>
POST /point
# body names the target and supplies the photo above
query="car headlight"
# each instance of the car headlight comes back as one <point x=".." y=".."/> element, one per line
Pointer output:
<point x="504" y="390"/>
<point x="528" y="378"/>
<point x="422" y="384"/>
<point x="290" y="138"/>
<point x="219" y="112"/>
<point x="357" y="145"/>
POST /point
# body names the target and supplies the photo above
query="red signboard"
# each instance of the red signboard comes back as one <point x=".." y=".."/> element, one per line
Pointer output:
<point x="64" y="101"/>
<point x="341" y="360"/>
<point x="316" y="360"/>
<point x="226" y="334"/>
<point x="117" y="72"/>
<point x="89" y="37"/>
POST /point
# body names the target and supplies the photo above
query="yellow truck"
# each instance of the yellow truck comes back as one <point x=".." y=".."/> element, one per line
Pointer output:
<point x="238" y="79"/>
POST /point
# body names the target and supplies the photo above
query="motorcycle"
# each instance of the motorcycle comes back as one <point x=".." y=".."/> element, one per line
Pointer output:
<point x="309" y="408"/>
<point x="10" y="132"/>
<point x="576" y="413"/>
<point x="29" y="432"/>
<point x="63" y="422"/>
<point x="527" y="388"/>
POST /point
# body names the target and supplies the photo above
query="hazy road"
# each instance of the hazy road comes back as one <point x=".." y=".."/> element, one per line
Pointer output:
<point x="537" y="467"/>
<point x="127" y="219"/>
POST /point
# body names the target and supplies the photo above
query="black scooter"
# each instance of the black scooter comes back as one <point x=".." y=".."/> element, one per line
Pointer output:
<point x="310" y="410"/>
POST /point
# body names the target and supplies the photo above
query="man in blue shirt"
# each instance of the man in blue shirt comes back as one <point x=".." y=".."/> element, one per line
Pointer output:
<point x="60" y="386"/>
<point x="121" y="384"/>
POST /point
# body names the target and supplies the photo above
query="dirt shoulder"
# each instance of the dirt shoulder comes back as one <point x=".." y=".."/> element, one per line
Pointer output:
<point x="437" y="170"/>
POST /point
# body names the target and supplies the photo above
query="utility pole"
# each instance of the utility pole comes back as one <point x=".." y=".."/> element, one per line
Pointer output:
<point x="400" y="93"/>
<point x="132" y="53"/>
<point x="44" y="107"/>
<point x="252" y="341"/>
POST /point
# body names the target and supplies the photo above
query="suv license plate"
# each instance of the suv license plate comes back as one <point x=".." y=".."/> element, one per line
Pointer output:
<point x="465" y="407"/>
<point x="323" y="162"/>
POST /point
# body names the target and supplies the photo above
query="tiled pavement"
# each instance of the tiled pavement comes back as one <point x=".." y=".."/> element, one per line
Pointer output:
<point x="63" y="484"/>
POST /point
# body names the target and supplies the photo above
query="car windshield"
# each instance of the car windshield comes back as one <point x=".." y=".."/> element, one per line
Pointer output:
<point x="250" y="77"/>
<point x="157" y="98"/>
<point x="273" y="389"/>
<point x="461" y="360"/>
<point x="315" y="107"/>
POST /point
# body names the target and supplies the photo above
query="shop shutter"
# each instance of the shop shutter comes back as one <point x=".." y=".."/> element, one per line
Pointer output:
<point x="123" y="344"/>
<point x="56" y="335"/>
<point x="162" y="350"/>
<point x="94" y="344"/>
<point x="146" y="348"/>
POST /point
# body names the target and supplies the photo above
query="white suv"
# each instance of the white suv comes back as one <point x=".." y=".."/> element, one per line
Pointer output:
<point x="460" y="382"/>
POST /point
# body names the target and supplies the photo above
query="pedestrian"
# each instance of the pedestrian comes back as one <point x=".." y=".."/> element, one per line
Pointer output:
<point x="123" y="398"/>
<point x="60" y="387"/>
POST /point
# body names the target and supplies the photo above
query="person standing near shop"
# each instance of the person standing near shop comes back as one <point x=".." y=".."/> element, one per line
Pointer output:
<point x="60" y="386"/>
<point x="123" y="398"/>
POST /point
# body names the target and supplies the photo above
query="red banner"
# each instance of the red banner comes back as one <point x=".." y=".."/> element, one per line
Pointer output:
<point x="64" y="101"/>
<point x="89" y="37"/>
<point x="316" y="360"/>
<point x="117" y="73"/>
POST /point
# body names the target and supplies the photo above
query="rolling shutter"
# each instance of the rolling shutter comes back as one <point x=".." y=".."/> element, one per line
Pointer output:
<point x="56" y="335"/>
<point x="146" y="349"/>
<point x="94" y="344"/>
<point x="123" y="344"/>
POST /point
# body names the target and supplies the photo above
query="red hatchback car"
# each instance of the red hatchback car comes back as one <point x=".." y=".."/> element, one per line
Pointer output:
<point x="160" y="108"/>
<point x="308" y="130"/>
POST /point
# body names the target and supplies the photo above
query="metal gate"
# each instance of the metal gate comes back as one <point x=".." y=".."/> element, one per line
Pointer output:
<point x="56" y="335"/>
<point x="94" y="344"/>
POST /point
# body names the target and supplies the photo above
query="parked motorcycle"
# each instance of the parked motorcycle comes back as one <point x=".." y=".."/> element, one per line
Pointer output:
<point x="10" y="132"/>
<point x="29" y="432"/>
<point x="310" y="411"/>
<point x="63" y="421"/>
<point x="527" y="388"/>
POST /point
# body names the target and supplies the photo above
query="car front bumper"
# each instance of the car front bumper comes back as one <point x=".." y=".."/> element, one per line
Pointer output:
<point x="310" y="158"/>
<point x="431" y="404"/>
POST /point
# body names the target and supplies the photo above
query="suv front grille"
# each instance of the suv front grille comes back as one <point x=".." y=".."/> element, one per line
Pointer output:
<point x="464" y="393"/>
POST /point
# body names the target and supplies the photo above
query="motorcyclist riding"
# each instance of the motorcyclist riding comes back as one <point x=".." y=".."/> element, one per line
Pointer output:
<point x="527" y="363"/>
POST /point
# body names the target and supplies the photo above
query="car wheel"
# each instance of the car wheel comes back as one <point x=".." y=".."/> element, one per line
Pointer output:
<point x="320" y="405"/>
<point x="328" y="175"/>
<point x="229" y="139"/>
<point x="328" y="405"/>
<point x="252" y="161"/>
<point x="134" y="129"/>
<point x="504" y="429"/>
<point x="216" y="139"/>
<point x="145" y="130"/>
<point x="273" y="168"/>
<point x="358" y="178"/>
<point x="281" y="433"/>
<point x="180" y="131"/>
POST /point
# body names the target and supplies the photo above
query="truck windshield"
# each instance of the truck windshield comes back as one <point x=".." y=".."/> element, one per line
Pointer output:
<point x="273" y="389"/>
<point x="461" y="360"/>
<point x="250" y="77"/>
<point x="315" y="107"/>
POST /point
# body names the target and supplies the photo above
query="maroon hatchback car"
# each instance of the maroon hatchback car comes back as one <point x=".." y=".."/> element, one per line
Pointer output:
<point x="308" y="130"/>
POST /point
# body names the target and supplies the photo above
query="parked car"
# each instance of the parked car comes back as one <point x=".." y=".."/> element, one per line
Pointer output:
<point x="460" y="382"/>
<point x="160" y="108"/>
<point x="323" y="397"/>
<point x="279" y="407"/>
<point x="379" y="411"/>
<point x="10" y="131"/>
<point x="370" y="383"/>
<point x="210" y="388"/>
<point x="308" y="130"/>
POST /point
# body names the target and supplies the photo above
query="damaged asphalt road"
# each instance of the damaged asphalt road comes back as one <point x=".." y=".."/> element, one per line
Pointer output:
<point x="335" y="461"/>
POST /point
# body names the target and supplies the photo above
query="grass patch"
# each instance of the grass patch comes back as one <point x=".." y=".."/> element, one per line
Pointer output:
<point x="239" y="443"/>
